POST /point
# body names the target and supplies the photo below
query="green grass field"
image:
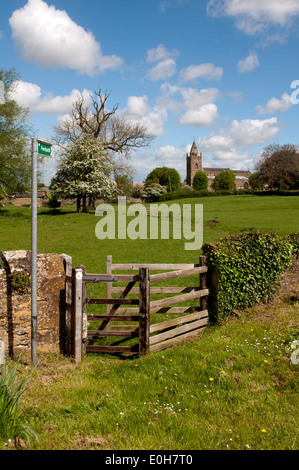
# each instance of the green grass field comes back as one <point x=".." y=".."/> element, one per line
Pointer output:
<point x="74" y="234"/>
<point x="234" y="387"/>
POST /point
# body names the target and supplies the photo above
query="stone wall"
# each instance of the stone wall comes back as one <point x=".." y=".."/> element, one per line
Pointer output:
<point x="15" y="302"/>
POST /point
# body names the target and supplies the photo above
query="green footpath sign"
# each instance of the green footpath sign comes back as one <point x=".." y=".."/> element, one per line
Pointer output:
<point x="44" y="148"/>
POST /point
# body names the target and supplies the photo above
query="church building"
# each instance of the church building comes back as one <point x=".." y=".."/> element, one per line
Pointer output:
<point x="194" y="164"/>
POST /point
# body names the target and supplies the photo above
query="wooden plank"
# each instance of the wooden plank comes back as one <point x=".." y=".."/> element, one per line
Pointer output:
<point x="178" y="321"/>
<point x="156" y="290"/>
<point x="108" y="318"/>
<point x="109" y="284"/>
<point x="108" y="333"/>
<point x="99" y="278"/>
<point x="127" y="277"/>
<point x="156" y="267"/>
<point x="178" y="331"/>
<point x="181" y="309"/>
<point x="178" y="298"/>
<point x="178" y="339"/>
<point x="203" y="282"/>
<point x="119" y="301"/>
<point x="175" y="274"/>
<point x="112" y="349"/>
<point x="123" y="327"/>
<point x="114" y="309"/>
<point x="144" y="312"/>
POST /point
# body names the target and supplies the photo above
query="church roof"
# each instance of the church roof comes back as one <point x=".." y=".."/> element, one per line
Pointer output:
<point x="194" y="148"/>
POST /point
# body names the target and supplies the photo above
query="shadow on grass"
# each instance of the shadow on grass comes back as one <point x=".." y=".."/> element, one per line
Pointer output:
<point x="56" y="212"/>
<point x="16" y="215"/>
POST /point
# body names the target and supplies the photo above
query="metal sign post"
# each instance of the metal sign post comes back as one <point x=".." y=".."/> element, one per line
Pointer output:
<point x="34" y="253"/>
<point x="42" y="148"/>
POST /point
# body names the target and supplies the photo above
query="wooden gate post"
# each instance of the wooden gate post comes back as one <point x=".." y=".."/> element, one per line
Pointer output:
<point x="66" y="313"/>
<point x="203" y="282"/>
<point x="144" y="311"/>
<point x="77" y="313"/>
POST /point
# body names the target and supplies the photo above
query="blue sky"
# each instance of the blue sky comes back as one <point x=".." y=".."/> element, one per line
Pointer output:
<point x="219" y="71"/>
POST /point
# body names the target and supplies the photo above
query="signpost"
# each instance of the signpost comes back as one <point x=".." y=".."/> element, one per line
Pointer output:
<point x="41" y="148"/>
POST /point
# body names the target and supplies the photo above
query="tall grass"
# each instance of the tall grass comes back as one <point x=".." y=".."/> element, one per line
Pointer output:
<point x="12" y="424"/>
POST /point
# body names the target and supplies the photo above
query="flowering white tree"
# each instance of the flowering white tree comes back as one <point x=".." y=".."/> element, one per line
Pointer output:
<point x="84" y="172"/>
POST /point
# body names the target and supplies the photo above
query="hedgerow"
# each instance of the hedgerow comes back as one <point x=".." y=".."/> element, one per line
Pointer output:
<point x="248" y="267"/>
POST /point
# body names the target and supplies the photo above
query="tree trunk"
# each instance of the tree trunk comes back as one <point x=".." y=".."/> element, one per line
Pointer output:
<point x="92" y="203"/>
<point x="84" y="207"/>
<point x="78" y="203"/>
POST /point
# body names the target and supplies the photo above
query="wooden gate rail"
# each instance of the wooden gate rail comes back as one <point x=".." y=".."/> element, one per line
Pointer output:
<point x="151" y="337"/>
<point x="169" y="332"/>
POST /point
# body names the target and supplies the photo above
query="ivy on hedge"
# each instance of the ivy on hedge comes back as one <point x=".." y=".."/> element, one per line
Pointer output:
<point x="248" y="266"/>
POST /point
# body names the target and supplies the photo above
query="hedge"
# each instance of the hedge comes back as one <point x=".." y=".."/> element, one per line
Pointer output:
<point x="191" y="193"/>
<point x="245" y="270"/>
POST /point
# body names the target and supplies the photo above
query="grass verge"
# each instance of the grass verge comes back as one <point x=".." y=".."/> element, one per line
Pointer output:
<point x="234" y="387"/>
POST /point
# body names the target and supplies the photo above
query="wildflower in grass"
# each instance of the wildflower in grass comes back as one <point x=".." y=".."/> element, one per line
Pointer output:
<point x="211" y="379"/>
<point x="263" y="430"/>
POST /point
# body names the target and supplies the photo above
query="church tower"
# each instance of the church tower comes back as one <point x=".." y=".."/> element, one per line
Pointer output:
<point x="194" y="164"/>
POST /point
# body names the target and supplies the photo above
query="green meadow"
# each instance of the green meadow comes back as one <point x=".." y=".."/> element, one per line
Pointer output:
<point x="65" y="231"/>
<point x="235" y="387"/>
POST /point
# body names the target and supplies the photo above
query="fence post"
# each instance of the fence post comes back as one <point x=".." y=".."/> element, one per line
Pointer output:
<point x="77" y="313"/>
<point x="66" y="304"/>
<point x="84" y="313"/>
<point x="108" y="284"/>
<point x="213" y="280"/>
<point x="203" y="282"/>
<point x="144" y="311"/>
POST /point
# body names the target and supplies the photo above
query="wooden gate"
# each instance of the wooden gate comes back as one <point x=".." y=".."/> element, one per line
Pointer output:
<point x="134" y="316"/>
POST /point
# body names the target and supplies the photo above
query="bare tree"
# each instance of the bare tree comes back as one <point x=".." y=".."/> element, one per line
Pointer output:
<point x="97" y="120"/>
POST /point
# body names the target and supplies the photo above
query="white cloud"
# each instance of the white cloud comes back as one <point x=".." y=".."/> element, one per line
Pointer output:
<point x="165" y="63"/>
<point x="196" y="105"/>
<point x="193" y="99"/>
<point x="30" y="95"/>
<point x="230" y="147"/>
<point x="253" y="131"/>
<point x="255" y="16"/>
<point x="203" y="116"/>
<point x="160" y="53"/>
<point x="138" y="111"/>
<point x="208" y="71"/>
<point x="164" y="69"/>
<point x="275" y="105"/>
<point x="250" y="63"/>
<point x="165" y="4"/>
<point x="50" y="38"/>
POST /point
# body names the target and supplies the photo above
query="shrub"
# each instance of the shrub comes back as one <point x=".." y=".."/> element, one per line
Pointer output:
<point x="249" y="266"/>
<point x="168" y="177"/>
<point x="200" y="180"/>
<point x="224" y="180"/>
<point x="152" y="192"/>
